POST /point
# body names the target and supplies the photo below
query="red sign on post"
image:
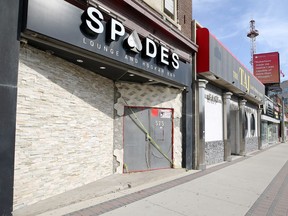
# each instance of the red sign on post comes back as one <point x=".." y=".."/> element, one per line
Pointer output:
<point x="266" y="67"/>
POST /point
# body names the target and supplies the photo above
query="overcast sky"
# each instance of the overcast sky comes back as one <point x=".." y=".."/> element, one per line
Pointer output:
<point x="229" y="21"/>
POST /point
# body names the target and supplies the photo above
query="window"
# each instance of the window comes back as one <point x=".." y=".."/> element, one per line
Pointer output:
<point x="252" y="124"/>
<point x="169" y="8"/>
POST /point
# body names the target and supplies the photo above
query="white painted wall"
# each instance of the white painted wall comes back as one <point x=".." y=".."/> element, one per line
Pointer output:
<point x="213" y="117"/>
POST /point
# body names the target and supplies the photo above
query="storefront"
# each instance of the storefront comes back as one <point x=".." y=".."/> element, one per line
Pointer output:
<point x="98" y="94"/>
<point x="285" y="127"/>
<point x="270" y="123"/>
<point x="229" y="103"/>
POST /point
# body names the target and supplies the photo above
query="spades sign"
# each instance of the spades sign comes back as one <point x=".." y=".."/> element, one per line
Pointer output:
<point x="133" y="42"/>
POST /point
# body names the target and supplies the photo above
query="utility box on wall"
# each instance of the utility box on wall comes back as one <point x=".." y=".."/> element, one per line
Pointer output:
<point x="147" y="138"/>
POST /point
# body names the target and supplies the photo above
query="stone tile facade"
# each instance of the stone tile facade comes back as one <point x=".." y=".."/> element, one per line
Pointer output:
<point x="214" y="152"/>
<point x="146" y="96"/>
<point x="64" y="135"/>
<point x="251" y="144"/>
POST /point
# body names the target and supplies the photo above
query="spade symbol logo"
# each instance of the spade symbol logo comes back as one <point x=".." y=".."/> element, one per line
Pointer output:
<point x="134" y="43"/>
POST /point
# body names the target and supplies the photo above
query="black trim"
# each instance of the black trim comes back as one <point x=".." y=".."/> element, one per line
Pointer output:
<point x="252" y="124"/>
<point x="188" y="145"/>
<point x="9" y="47"/>
<point x="246" y="124"/>
<point x="22" y="22"/>
<point x="79" y="3"/>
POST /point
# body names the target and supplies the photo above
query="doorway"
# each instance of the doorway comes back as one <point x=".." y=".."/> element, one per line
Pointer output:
<point x="235" y="138"/>
<point x="148" y="138"/>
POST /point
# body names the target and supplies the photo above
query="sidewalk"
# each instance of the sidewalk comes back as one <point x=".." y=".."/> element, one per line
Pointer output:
<point x="247" y="185"/>
<point x="102" y="190"/>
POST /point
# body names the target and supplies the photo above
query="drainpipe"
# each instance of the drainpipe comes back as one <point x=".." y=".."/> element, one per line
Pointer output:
<point x="283" y="123"/>
<point x="259" y="130"/>
<point x="242" y="127"/>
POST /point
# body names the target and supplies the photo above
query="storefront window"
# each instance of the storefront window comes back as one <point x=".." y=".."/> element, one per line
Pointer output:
<point x="264" y="133"/>
<point x="252" y="124"/>
<point x="272" y="133"/>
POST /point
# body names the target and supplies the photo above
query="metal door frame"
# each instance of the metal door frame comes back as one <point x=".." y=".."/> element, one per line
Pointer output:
<point x="172" y="135"/>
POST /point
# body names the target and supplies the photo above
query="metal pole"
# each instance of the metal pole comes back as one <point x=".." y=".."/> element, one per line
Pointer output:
<point x="283" y="122"/>
<point x="259" y="132"/>
<point x="202" y="85"/>
<point x="226" y="126"/>
<point x="242" y="127"/>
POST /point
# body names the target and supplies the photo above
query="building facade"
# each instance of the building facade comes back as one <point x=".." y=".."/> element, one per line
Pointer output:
<point x="284" y="96"/>
<point x="94" y="88"/>
<point x="99" y="91"/>
<point x="271" y="120"/>
<point x="229" y="101"/>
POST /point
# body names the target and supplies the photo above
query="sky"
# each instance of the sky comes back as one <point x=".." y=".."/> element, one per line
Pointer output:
<point x="228" y="21"/>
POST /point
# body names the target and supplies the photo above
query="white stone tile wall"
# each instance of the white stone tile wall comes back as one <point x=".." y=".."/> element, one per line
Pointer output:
<point x="64" y="135"/>
<point x="214" y="152"/>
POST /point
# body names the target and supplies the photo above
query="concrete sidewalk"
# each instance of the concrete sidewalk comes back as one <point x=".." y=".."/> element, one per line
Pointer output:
<point x="102" y="190"/>
<point x="225" y="189"/>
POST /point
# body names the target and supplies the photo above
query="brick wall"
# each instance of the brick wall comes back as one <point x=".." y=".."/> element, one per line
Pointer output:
<point x="185" y="16"/>
<point x="149" y="96"/>
<point x="64" y="135"/>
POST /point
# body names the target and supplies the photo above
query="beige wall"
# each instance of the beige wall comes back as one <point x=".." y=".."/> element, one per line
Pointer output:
<point x="66" y="128"/>
<point x="157" y="5"/>
<point x="64" y="135"/>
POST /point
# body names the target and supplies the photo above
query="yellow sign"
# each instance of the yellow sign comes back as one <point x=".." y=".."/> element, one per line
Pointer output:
<point x="245" y="79"/>
<point x="235" y="75"/>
